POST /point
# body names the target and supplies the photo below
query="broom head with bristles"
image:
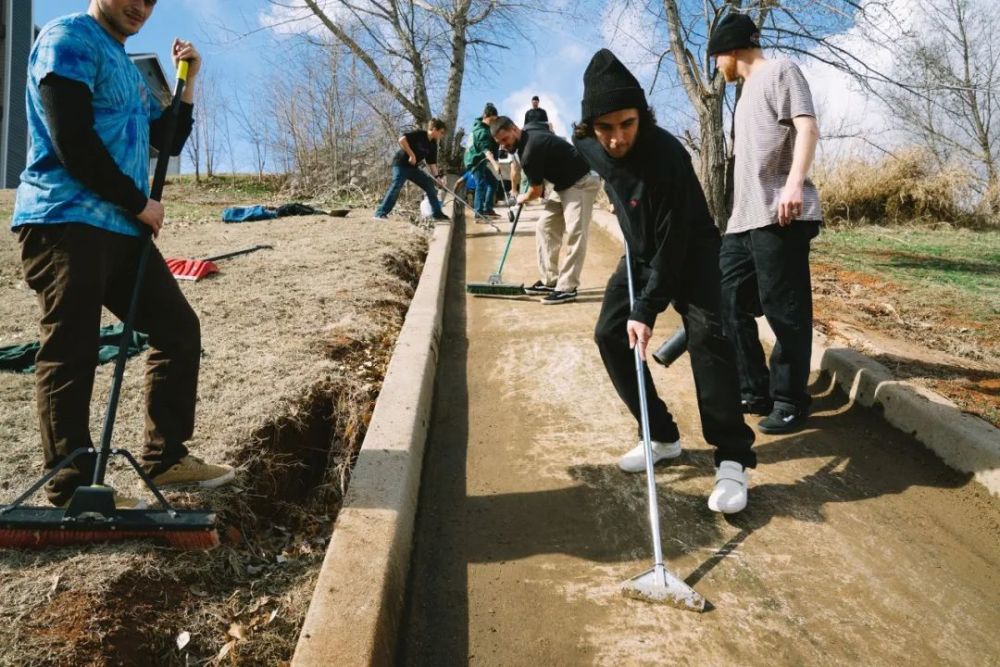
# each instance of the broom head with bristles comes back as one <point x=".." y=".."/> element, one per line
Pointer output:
<point x="494" y="286"/>
<point x="47" y="527"/>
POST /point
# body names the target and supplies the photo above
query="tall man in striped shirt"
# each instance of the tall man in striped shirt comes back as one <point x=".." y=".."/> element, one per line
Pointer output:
<point x="776" y="212"/>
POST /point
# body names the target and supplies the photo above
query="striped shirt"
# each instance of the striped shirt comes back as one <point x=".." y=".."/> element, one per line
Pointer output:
<point x="764" y="143"/>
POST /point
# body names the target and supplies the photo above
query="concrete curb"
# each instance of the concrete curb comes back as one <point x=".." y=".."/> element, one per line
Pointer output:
<point x="964" y="442"/>
<point x="355" y="610"/>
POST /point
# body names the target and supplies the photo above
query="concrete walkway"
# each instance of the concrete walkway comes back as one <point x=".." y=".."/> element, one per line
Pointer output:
<point x="859" y="546"/>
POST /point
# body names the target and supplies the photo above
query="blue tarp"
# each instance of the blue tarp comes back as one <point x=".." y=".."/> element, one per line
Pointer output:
<point x="248" y="213"/>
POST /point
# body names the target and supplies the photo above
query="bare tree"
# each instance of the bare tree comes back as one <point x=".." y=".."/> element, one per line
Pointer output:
<point x="254" y="129"/>
<point x="951" y="98"/>
<point x="802" y="27"/>
<point x="412" y="48"/>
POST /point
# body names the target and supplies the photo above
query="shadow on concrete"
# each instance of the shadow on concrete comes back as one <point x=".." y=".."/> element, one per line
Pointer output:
<point x="602" y="517"/>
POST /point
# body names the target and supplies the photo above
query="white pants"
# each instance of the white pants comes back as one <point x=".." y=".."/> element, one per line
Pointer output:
<point x="567" y="212"/>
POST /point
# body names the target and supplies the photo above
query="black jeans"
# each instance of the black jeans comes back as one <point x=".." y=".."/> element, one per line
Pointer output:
<point x="712" y="360"/>
<point x="76" y="269"/>
<point x="766" y="272"/>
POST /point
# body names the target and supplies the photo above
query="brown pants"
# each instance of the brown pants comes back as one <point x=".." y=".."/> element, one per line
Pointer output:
<point x="76" y="269"/>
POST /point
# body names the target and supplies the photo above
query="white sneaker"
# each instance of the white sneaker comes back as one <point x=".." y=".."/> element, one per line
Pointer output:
<point x="730" y="493"/>
<point x="634" y="460"/>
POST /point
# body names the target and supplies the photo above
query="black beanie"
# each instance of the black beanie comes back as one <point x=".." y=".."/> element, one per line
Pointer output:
<point x="609" y="86"/>
<point x="736" y="31"/>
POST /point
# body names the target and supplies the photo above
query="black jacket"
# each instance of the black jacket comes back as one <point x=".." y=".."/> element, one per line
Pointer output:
<point x="662" y="212"/>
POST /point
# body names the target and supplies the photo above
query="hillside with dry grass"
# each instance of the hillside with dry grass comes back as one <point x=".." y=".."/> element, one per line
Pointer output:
<point x="295" y="344"/>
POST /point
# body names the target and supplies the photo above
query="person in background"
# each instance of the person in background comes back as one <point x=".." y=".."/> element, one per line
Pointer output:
<point x="567" y="210"/>
<point x="414" y="148"/>
<point x="478" y="157"/>
<point x="536" y="114"/>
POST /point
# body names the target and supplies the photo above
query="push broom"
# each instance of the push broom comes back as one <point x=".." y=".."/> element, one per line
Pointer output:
<point x="91" y="515"/>
<point x="657" y="584"/>
<point x="494" y="285"/>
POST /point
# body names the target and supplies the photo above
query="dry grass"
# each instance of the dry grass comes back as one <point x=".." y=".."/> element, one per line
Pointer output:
<point x="296" y="341"/>
<point x="904" y="188"/>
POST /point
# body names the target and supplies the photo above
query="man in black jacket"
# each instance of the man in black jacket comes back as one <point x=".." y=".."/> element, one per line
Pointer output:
<point x="82" y="207"/>
<point x="674" y="248"/>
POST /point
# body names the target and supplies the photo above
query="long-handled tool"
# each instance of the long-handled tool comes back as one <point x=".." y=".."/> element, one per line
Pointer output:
<point x="91" y="515"/>
<point x="495" y="285"/>
<point x="658" y="584"/>
<point x="506" y="201"/>
<point x="457" y="198"/>
<point x="196" y="269"/>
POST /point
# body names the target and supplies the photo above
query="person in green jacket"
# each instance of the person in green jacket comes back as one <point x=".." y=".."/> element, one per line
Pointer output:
<point x="483" y="149"/>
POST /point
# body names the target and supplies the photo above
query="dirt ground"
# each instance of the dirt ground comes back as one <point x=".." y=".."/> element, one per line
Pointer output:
<point x="859" y="546"/>
<point x="295" y="343"/>
<point x="918" y="342"/>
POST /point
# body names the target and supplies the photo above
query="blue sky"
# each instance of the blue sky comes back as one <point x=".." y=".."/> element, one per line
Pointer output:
<point x="551" y="67"/>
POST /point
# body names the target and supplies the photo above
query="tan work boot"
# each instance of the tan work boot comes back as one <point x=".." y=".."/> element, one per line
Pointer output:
<point x="194" y="471"/>
<point x="121" y="503"/>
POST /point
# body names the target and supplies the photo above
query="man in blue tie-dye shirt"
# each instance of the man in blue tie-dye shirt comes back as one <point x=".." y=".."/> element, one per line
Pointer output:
<point x="81" y="210"/>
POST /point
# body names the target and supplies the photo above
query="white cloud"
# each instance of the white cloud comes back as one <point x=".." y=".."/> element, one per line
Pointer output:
<point x="842" y="105"/>
<point x="629" y="30"/>
<point x="297" y="19"/>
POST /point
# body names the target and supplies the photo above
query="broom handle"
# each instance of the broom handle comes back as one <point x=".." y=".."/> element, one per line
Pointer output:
<point x="647" y="445"/>
<point x="156" y="192"/>
<point x="510" y="237"/>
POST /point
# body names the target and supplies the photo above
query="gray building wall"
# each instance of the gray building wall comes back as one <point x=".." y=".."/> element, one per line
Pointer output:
<point x="17" y="32"/>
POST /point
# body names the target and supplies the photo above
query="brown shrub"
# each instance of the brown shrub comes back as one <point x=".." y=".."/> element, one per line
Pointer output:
<point x="903" y="188"/>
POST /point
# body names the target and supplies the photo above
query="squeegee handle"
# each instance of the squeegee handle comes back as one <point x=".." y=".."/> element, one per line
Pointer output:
<point x="647" y="444"/>
<point x="156" y="192"/>
<point x="510" y="237"/>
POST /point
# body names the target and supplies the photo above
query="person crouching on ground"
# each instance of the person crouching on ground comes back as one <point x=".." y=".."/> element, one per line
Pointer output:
<point x="674" y="247"/>
<point x="566" y="210"/>
<point x="81" y="210"/>
<point x="480" y="155"/>
<point x="416" y="147"/>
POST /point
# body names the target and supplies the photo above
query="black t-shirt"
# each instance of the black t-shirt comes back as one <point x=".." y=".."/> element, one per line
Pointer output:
<point x="538" y="115"/>
<point x="546" y="157"/>
<point x="422" y="147"/>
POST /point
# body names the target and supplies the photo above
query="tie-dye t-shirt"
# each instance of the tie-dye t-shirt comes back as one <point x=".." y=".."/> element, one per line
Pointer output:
<point x="77" y="47"/>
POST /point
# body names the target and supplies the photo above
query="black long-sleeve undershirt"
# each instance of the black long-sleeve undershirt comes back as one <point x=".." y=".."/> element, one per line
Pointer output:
<point x="69" y="114"/>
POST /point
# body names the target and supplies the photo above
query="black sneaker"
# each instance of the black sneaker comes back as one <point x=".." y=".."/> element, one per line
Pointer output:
<point x="441" y="217"/>
<point x="760" y="406"/>
<point x="782" y="420"/>
<point x="539" y="289"/>
<point x="559" y="297"/>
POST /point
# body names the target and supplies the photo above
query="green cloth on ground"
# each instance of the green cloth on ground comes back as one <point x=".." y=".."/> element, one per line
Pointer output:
<point x="21" y="358"/>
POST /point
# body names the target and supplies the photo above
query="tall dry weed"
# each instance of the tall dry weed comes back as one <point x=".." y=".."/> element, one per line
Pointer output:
<point x="905" y="188"/>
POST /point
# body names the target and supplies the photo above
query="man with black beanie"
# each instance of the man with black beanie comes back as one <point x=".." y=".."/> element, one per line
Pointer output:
<point x="674" y="247"/>
<point x="776" y="212"/>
